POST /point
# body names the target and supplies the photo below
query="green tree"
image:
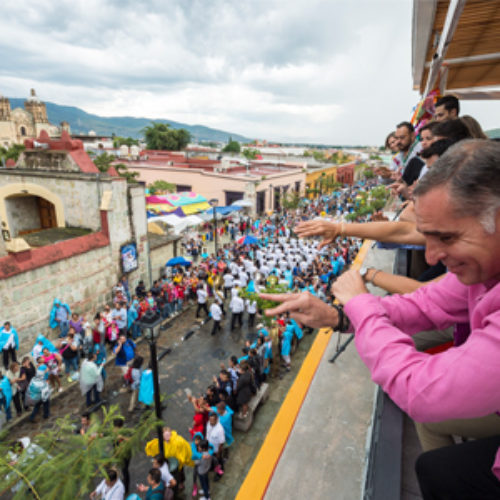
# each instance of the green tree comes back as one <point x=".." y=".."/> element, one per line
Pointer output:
<point x="160" y="136"/>
<point x="103" y="161"/>
<point x="160" y="186"/>
<point x="68" y="464"/>
<point x="128" y="141"/>
<point x="250" y="154"/>
<point x="124" y="172"/>
<point x="368" y="173"/>
<point x="232" y="147"/>
<point x="319" y="156"/>
<point x="291" y="200"/>
<point x="11" y="153"/>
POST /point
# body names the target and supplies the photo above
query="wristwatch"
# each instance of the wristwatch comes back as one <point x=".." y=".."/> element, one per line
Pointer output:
<point x="363" y="272"/>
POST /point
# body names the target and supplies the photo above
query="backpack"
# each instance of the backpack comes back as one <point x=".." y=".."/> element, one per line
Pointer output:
<point x="128" y="376"/>
<point x="128" y="349"/>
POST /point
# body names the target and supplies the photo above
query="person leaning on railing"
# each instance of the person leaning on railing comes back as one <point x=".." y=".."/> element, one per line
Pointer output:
<point x="455" y="392"/>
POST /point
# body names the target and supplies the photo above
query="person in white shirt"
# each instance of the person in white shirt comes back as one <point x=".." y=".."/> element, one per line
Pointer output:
<point x="236" y="305"/>
<point x="228" y="283"/>
<point x="243" y="279"/>
<point x="109" y="489"/>
<point x="216" y="437"/>
<point x="161" y="463"/>
<point x="216" y="313"/>
<point x="219" y="298"/>
<point x="201" y="295"/>
<point x="264" y="269"/>
<point x="251" y="306"/>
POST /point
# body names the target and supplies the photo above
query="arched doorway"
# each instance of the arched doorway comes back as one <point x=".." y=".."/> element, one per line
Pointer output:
<point x="27" y="214"/>
<point x="23" y="131"/>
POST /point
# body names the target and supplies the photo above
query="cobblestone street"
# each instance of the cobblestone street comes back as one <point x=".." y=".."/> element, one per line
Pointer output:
<point x="190" y="364"/>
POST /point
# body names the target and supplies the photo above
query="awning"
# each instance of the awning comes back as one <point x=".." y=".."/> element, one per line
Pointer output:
<point x="242" y="203"/>
<point x="195" y="208"/>
<point x="178" y="224"/>
<point x="183" y="198"/>
<point x="456" y="43"/>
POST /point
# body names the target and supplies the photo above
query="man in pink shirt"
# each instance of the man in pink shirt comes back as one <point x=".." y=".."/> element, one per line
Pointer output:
<point x="457" y="392"/>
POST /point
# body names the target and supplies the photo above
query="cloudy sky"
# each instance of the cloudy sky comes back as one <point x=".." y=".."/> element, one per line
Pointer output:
<point x="330" y="71"/>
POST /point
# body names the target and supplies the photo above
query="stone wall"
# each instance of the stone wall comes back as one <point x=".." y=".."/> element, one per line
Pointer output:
<point x="79" y="194"/>
<point x="159" y="257"/>
<point x="83" y="281"/>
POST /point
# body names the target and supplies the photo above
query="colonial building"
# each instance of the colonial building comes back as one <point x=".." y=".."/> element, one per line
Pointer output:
<point x="262" y="183"/>
<point x="19" y="124"/>
<point x="69" y="232"/>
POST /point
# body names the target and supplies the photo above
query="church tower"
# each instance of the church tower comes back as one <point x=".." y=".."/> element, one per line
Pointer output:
<point x="4" y="109"/>
<point x="36" y="107"/>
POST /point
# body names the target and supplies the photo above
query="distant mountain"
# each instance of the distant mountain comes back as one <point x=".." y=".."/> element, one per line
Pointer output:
<point x="493" y="133"/>
<point x="82" y="122"/>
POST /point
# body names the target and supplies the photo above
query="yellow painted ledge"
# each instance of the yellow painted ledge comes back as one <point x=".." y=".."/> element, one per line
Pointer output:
<point x="260" y="474"/>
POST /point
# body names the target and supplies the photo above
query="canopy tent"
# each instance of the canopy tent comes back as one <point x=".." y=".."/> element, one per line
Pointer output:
<point x="178" y="224"/>
<point x="183" y="198"/>
<point x="455" y="46"/>
<point x="195" y="208"/>
<point x="209" y="215"/>
<point x="220" y="212"/>
<point x="184" y="203"/>
<point x="242" y="203"/>
<point x="178" y="261"/>
<point x="248" y="240"/>
<point x="193" y="220"/>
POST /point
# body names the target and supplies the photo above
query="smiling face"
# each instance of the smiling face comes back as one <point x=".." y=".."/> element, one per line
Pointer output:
<point x="461" y="243"/>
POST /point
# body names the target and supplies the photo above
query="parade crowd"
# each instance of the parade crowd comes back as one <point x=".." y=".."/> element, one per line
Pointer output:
<point x="262" y="253"/>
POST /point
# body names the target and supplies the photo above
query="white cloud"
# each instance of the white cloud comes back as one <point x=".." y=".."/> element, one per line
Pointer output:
<point x="313" y="70"/>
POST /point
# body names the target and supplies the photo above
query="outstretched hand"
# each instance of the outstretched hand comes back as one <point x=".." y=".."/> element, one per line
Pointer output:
<point x="328" y="230"/>
<point x="348" y="285"/>
<point x="304" y="308"/>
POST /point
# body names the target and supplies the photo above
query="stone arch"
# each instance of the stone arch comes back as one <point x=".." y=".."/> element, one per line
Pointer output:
<point x="27" y="188"/>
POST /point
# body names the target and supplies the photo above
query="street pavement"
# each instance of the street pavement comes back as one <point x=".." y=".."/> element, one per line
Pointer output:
<point x="190" y="364"/>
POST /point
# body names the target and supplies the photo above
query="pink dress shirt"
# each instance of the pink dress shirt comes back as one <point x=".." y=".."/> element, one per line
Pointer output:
<point x="461" y="382"/>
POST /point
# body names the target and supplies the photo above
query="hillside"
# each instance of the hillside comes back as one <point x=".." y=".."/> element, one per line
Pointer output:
<point x="493" y="133"/>
<point x="82" y="122"/>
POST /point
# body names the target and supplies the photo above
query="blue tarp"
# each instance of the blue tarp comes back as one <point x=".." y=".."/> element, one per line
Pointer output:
<point x="223" y="210"/>
<point x="178" y="261"/>
<point x="248" y="240"/>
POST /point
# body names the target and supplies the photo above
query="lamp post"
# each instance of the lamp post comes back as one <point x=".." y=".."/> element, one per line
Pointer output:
<point x="213" y="203"/>
<point x="149" y="325"/>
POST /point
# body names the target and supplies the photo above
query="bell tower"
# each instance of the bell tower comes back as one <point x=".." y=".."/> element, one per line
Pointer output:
<point x="4" y="109"/>
<point x="36" y="107"/>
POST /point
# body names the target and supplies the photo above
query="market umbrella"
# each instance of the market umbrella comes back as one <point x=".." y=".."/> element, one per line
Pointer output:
<point x="248" y="240"/>
<point x="178" y="261"/>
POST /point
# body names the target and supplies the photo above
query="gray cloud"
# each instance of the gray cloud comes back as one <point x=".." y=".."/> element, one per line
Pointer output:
<point x="318" y="70"/>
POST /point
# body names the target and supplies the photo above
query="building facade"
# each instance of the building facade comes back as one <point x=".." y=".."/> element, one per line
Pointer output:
<point x="19" y="124"/>
<point x="55" y="189"/>
<point x="263" y="183"/>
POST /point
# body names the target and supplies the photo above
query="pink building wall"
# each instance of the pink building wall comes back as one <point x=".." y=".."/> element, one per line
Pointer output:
<point x="214" y="185"/>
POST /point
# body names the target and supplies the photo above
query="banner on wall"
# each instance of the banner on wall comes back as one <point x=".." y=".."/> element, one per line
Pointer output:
<point x="129" y="258"/>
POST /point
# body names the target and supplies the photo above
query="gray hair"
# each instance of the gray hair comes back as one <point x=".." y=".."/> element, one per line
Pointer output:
<point x="471" y="171"/>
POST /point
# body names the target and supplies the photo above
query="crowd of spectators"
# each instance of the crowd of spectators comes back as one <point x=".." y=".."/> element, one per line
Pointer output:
<point x="447" y="174"/>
